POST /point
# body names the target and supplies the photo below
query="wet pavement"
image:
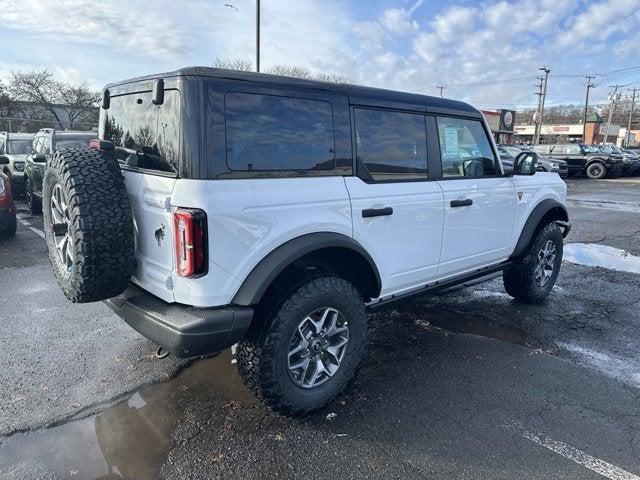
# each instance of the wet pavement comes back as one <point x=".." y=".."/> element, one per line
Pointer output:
<point x="468" y="384"/>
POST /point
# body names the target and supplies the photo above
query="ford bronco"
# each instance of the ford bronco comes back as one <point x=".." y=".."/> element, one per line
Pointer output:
<point x="222" y="207"/>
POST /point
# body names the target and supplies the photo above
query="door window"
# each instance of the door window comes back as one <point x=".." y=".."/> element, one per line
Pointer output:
<point x="274" y="133"/>
<point x="465" y="150"/>
<point x="391" y="145"/>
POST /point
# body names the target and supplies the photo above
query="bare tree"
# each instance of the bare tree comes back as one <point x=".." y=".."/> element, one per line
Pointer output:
<point x="241" y="64"/>
<point x="294" y="71"/>
<point x="57" y="98"/>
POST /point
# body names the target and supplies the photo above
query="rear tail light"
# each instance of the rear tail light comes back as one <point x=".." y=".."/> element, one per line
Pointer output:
<point x="190" y="238"/>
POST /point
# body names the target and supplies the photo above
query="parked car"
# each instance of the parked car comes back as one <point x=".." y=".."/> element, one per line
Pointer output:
<point x="630" y="162"/>
<point x="8" y="220"/>
<point x="16" y="147"/>
<point x="275" y="213"/>
<point x="584" y="159"/>
<point x="508" y="153"/>
<point x="46" y="142"/>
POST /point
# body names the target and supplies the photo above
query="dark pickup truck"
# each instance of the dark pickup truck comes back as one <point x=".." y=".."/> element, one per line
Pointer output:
<point x="584" y="159"/>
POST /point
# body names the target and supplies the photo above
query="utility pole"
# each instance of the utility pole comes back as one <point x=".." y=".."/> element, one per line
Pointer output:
<point x="586" y="107"/>
<point x="613" y="96"/>
<point x="442" y="88"/>
<point x="536" y="134"/>
<point x="258" y="36"/>
<point x="544" y="96"/>
<point x="633" y="104"/>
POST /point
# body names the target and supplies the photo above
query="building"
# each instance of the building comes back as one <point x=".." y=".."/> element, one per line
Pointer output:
<point x="594" y="133"/>
<point x="501" y="123"/>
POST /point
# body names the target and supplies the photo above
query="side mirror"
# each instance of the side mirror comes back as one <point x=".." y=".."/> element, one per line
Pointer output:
<point x="40" y="158"/>
<point x="525" y="163"/>
<point x="4" y="160"/>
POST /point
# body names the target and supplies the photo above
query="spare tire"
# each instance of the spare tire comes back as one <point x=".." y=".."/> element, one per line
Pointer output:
<point x="88" y="224"/>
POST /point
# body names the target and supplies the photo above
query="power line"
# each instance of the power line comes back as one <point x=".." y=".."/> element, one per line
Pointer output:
<point x="481" y="83"/>
<point x="442" y="88"/>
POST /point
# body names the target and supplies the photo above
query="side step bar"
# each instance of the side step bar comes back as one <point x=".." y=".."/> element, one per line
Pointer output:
<point x="435" y="287"/>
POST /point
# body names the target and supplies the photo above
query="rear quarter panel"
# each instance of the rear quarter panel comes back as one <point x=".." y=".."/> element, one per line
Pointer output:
<point x="249" y="218"/>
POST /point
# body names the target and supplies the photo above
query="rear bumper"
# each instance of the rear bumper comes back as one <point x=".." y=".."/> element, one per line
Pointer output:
<point x="182" y="330"/>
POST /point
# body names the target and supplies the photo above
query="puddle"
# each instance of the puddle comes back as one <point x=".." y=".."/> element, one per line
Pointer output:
<point x="129" y="440"/>
<point x="461" y="324"/>
<point x="596" y="255"/>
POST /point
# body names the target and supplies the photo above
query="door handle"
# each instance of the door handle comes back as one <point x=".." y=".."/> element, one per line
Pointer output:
<point x="461" y="203"/>
<point x="377" y="212"/>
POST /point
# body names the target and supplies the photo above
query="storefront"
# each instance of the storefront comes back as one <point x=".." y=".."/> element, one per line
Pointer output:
<point x="594" y="133"/>
<point x="501" y="123"/>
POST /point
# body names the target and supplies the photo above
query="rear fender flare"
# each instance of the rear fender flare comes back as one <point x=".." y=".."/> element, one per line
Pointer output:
<point x="265" y="272"/>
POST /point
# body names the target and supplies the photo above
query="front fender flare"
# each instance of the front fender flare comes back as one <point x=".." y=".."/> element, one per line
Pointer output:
<point x="559" y="213"/>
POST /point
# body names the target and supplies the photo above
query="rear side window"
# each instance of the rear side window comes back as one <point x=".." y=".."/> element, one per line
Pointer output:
<point x="135" y="123"/>
<point x="465" y="150"/>
<point x="274" y="133"/>
<point x="572" y="149"/>
<point x="391" y="145"/>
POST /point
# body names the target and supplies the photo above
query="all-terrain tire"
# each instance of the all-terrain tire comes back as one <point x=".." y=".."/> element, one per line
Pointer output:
<point x="99" y="224"/>
<point x="262" y="355"/>
<point x="35" y="206"/>
<point x="596" y="171"/>
<point x="520" y="278"/>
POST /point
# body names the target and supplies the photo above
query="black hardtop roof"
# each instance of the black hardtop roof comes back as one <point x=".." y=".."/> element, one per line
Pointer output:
<point x="353" y="91"/>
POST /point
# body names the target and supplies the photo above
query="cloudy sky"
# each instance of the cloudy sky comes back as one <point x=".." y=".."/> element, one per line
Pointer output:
<point x="410" y="45"/>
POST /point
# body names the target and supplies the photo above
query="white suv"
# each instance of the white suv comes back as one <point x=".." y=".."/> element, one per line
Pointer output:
<point x="224" y="207"/>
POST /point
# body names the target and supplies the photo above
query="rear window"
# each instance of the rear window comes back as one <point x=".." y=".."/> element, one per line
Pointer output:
<point x="268" y="132"/>
<point x="150" y="133"/>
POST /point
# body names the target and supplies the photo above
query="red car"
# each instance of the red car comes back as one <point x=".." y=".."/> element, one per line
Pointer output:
<point x="8" y="221"/>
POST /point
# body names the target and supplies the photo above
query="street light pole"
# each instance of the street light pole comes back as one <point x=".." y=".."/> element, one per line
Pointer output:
<point x="258" y="36"/>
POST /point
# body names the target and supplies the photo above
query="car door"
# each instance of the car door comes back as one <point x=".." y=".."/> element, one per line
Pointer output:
<point x="397" y="210"/>
<point x="572" y="154"/>
<point x="479" y="202"/>
<point x="44" y="148"/>
<point x="30" y="166"/>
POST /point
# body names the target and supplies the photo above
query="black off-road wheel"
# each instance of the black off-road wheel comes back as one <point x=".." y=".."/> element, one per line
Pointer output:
<point x="305" y="345"/>
<point x="35" y="206"/>
<point x="596" y="171"/>
<point x="88" y="224"/>
<point x="532" y="276"/>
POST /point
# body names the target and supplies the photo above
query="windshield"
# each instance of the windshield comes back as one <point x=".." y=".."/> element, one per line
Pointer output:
<point x="19" y="147"/>
<point x="75" y="142"/>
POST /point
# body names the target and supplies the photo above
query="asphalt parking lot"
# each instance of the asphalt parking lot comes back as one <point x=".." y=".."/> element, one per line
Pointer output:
<point x="467" y="384"/>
